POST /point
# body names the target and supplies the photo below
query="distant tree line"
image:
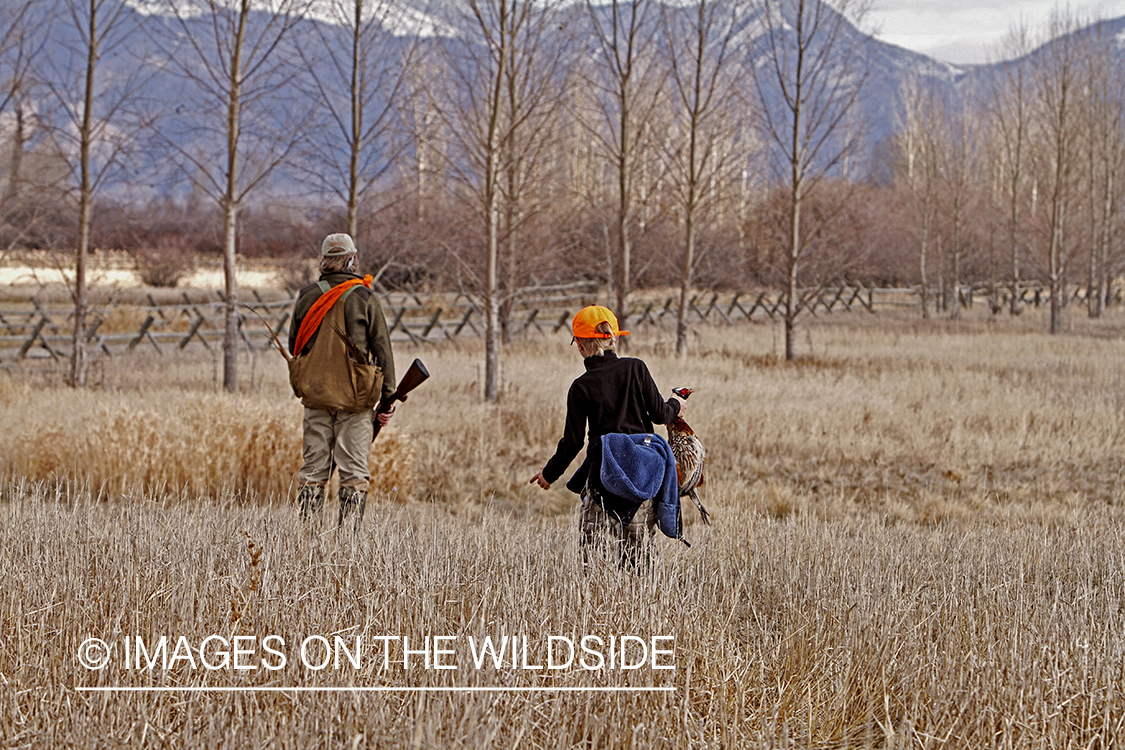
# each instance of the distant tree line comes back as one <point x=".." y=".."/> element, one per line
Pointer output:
<point x="1019" y="181"/>
<point x="512" y="144"/>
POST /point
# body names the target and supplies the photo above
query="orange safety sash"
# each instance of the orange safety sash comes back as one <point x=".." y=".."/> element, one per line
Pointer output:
<point x="320" y="308"/>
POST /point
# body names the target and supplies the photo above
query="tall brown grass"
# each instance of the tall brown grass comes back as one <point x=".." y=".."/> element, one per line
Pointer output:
<point x="787" y="633"/>
<point x="917" y="543"/>
<point x="196" y="445"/>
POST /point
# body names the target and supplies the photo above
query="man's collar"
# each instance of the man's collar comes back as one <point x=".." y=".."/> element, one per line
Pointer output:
<point x="345" y="274"/>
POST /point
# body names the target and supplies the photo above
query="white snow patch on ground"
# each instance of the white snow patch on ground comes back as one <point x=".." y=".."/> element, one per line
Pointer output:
<point x="200" y="278"/>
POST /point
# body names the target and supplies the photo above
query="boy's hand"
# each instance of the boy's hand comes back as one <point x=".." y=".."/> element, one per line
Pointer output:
<point x="682" y="403"/>
<point x="539" y="480"/>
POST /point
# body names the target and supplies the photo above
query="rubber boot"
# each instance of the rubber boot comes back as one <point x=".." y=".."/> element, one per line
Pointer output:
<point x="352" y="504"/>
<point x="311" y="498"/>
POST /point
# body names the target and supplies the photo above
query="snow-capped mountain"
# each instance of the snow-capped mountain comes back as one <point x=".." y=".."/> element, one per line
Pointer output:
<point x="159" y="59"/>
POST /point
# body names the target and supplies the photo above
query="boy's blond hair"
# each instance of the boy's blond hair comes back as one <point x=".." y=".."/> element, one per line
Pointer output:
<point x="597" y="347"/>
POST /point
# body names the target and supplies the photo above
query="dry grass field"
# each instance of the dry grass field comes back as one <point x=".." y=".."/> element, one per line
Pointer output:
<point x="918" y="542"/>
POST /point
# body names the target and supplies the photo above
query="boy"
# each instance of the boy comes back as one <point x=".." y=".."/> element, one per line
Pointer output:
<point x="615" y="395"/>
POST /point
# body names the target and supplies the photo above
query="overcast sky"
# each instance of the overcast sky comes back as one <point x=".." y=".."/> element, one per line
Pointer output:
<point x="964" y="31"/>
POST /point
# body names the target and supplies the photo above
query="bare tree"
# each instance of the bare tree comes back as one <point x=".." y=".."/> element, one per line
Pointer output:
<point x="1104" y="112"/>
<point x="807" y="80"/>
<point x="534" y="88"/>
<point x="420" y="117"/>
<point x="24" y="28"/>
<point x="957" y="168"/>
<point x="503" y="76"/>
<point x="700" y="46"/>
<point x="368" y="71"/>
<point x="626" y="82"/>
<point x="919" y="143"/>
<point x="96" y="124"/>
<point x="233" y="58"/>
<point x="21" y="36"/>
<point x="1058" y="82"/>
<point x="1010" y="103"/>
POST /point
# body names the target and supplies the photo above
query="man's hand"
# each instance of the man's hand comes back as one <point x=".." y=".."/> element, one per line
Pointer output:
<point x="539" y="480"/>
<point x="384" y="417"/>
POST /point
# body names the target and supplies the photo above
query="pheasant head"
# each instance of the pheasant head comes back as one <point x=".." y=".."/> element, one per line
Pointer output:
<point x="678" y="424"/>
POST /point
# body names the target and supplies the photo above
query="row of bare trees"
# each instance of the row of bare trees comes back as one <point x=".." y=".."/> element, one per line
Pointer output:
<point x="509" y="114"/>
<point x="512" y="142"/>
<point x="1025" y="169"/>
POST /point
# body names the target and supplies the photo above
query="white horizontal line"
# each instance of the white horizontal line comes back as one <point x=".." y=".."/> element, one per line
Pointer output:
<point x="373" y="689"/>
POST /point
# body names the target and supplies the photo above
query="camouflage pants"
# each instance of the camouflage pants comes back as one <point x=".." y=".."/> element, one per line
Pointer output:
<point x="624" y="534"/>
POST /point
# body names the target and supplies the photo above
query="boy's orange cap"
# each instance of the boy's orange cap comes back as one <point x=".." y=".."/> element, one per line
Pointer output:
<point x="586" y="322"/>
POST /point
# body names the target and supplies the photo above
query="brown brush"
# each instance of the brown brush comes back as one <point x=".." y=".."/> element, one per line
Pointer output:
<point x="276" y="340"/>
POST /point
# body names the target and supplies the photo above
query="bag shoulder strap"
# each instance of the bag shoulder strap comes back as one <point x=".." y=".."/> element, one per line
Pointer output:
<point x="321" y="306"/>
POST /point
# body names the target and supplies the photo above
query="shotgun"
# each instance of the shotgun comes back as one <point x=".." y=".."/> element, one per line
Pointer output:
<point x="413" y="378"/>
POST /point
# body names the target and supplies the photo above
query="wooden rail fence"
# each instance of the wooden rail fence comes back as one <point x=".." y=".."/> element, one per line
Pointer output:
<point x="33" y="331"/>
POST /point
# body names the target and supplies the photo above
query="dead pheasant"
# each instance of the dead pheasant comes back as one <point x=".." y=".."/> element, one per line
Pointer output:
<point x="690" y="456"/>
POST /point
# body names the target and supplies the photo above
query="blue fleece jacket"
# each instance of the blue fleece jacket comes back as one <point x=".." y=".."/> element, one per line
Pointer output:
<point x="642" y="467"/>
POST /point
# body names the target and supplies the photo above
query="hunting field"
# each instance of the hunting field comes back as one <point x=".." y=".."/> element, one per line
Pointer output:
<point x="918" y="542"/>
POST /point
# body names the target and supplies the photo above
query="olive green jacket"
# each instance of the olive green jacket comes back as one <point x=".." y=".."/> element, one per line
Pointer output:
<point x="363" y="318"/>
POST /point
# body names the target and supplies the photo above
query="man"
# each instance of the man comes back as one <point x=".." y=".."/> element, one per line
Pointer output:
<point x="337" y="322"/>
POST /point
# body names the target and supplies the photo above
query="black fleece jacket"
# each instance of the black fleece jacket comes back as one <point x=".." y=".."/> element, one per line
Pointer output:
<point x="616" y="394"/>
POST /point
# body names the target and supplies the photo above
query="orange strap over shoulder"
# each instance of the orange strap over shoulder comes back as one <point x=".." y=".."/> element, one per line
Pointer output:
<point x="320" y="308"/>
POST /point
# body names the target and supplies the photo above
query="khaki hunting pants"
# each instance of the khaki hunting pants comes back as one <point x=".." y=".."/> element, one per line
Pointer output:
<point x="342" y="438"/>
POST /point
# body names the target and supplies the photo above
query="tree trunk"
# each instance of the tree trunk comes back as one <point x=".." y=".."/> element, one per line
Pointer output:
<point x="943" y="290"/>
<point x="18" y="139"/>
<point x="230" y="283"/>
<point x="492" y="234"/>
<point x="993" y="291"/>
<point x="1056" y="304"/>
<point x="356" y="125"/>
<point x="624" y="242"/>
<point x="78" y="364"/>
<point x="1058" y="223"/>
<point x="794" y="254"/>
<point x="1103" y="251"/>
<point x="955" y="312"/>
<point x="78" y="359"/>
<point x="685" y="285"/>
<point x="1056" y="278"/>
<point x="507" y="307"/>
<point x="1092" y="308"/>
<point x="230" y="205"/>
<point x="608" y="248"/>
<point x="420" y="151"/>
<point x="1015" y="306"/>
<point x="511" y="221"/>
<point x="492" y="310"/>
<point x="922" y="268"/>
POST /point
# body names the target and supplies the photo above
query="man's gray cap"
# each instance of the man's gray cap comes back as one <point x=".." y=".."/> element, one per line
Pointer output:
<point x="337" y="245"/>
